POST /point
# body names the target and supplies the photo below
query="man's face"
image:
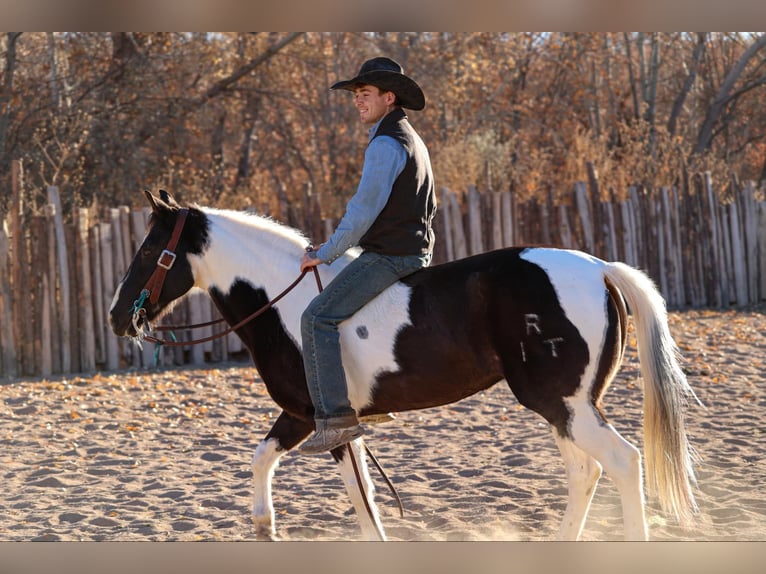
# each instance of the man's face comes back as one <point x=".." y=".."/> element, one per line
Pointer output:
<point x="372" y="103"/>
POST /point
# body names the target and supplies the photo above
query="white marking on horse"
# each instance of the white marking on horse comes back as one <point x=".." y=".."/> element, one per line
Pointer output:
<point x="366" y="358"/>
<point x="265" y="462"/>
<point x="532" y="322"/>
<point x="552" y="344"/>
<point x="572" y="274"/>
<point x="266" y="266"/>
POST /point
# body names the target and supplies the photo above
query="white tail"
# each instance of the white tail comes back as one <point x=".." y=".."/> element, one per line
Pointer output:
<point x="668" y="456"/>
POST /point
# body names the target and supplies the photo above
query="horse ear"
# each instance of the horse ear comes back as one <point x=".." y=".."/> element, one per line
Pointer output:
<point x="152" y="200"/>
<point x="167" y="198"/>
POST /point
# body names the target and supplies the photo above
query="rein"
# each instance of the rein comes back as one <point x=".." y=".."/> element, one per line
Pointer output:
<point x="152" y="290"/>
<point x="138" y="307"/>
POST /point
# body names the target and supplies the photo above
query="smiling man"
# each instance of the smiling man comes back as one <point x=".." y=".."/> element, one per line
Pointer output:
<point x="390" y="217"/>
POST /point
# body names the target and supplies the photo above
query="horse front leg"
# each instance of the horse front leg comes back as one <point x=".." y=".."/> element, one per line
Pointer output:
<point x="284" y="435"/>
<point x="367" y="513"/>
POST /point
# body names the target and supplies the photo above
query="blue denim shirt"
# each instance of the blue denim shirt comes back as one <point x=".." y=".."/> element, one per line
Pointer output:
<point x="384" y="160"/>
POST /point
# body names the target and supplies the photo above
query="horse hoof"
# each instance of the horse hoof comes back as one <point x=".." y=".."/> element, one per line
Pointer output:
<point x="263" y="530"/>
<point x="266" y="537"/>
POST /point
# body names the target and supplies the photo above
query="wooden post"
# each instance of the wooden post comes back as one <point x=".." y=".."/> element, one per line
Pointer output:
<point x="750" y="222"/>
<point x="7" y="340"/>
<point x="458" y="238"/>
<point x="738" y="254"/>
<point x="63" y="274"/>
<point x="507" y="215"/>
<point x="107" y="275"/>
<point x="639" y="237"/>
<point x="120" y="266"/>
<point x="565" y="229"/>
<point x="678" y="260"/>
<point x="583" y="208"/>
<point x="37" y="296"/>
<point x="497" y="219"/>
<point x="474" y="221"/>
<point x="97" y="286"/>
<point x="74" y="327"/>
<point x="762" y="247"/>
<point x="665" y="232"/>
<point x="729" y="290"/>
<point x="219" y="345"/>
<point x="628" y="232"/>
<point x="610" y="232"/>
<point x="85" y="296"/>
<point x="717" y="241"/>
<point x="195" y="316"/>
<point x="444" y="208"/>
<point x="15" y="262"/>
<point x="206" y="316"/>
<point x="656" y="210"/>
<point x="595" y="213"/>
<point x="55" y="312"/>
<point x="125" y="228"/>
<point x="46" y="359"/>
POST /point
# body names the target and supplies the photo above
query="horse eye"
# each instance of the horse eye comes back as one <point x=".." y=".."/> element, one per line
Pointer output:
<point x="145" y="252"/>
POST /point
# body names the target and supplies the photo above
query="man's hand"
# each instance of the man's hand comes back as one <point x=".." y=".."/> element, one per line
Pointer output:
<point x="309" y="260"/>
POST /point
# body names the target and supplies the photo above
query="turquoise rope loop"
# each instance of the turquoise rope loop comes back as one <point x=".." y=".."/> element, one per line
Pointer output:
<point x="139" y="303"/>
<point x="157" y="347"/>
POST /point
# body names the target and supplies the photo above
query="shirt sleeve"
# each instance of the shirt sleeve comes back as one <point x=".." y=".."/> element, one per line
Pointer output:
<point x="384" y="160"/>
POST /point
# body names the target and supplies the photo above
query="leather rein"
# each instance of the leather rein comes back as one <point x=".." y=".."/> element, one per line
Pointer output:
<point x="151" y="291"/>
<point x="153" y="287"/>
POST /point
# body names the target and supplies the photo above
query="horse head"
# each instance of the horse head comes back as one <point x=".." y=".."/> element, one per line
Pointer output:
<point x="160" y="272"/>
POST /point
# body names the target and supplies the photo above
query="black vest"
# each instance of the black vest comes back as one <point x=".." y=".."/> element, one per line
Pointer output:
<point x="404" y="227"/>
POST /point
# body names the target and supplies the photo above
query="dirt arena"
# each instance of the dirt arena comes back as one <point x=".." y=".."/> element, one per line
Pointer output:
<point x="154" y="456"/>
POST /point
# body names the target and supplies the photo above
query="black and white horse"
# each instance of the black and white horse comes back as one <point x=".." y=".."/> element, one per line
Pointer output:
<point x="550" y="322"/>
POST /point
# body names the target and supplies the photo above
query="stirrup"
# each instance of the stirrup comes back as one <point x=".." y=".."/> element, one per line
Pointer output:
<point x="377" y="419"/>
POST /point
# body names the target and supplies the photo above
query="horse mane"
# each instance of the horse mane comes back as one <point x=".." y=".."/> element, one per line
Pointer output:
<point x="275" y="233"/>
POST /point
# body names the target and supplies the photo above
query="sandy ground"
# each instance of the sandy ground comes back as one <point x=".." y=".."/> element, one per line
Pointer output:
<point x="154" y="456"/>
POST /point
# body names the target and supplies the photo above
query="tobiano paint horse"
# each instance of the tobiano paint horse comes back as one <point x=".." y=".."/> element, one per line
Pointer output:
<point x="549" y="322"/>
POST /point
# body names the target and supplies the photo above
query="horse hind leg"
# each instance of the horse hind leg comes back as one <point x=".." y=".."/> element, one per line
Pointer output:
<point x="583" y="472"/>
<point x="619" y="459"/>
<point x="367" y="513"/>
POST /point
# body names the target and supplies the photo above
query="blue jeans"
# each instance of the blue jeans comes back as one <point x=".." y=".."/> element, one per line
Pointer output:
<point x="357" y="284"/>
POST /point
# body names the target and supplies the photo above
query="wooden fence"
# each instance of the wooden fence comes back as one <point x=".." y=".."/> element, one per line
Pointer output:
<point x="57" y="280"/>
<point x="700" y="250"/>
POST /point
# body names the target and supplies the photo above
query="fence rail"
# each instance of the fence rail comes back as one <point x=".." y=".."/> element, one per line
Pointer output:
<point x="57" y="279"/>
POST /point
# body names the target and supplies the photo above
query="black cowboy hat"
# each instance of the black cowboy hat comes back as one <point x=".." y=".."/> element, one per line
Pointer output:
<point x="388" y="75"/>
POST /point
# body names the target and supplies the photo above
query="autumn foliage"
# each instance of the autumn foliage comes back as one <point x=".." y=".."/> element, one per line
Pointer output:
<point x="247" y="119"/>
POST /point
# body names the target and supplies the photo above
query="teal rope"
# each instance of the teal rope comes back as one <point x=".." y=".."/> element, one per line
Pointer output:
<point x="139" y="303"/>
<point x="158" y="346"/>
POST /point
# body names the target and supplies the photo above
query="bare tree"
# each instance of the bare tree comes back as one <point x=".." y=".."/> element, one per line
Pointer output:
<point x="6" y="95"/>
<point x="727" y="95"/>
<point x="693" y="69"/>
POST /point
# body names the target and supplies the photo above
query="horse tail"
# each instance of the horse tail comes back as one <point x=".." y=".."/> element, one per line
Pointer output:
<point x="669" y="457"/>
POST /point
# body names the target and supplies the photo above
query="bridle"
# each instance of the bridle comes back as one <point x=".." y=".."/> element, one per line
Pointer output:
<point x="152" y="289"/>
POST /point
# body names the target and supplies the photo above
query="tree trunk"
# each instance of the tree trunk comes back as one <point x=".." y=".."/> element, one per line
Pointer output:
<point x="632" y="77"/>
<point x="725" y="96"/>
<point x="6" y="93"/>
<point x="678" y="104"/>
